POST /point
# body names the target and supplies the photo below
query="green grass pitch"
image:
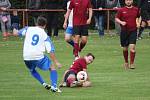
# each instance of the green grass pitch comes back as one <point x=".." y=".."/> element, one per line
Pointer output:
<point x="109" y="80"/>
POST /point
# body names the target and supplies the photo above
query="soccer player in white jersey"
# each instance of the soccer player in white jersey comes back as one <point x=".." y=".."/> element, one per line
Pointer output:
<point x="35" y="44"/>
<point x="69" y="29"/>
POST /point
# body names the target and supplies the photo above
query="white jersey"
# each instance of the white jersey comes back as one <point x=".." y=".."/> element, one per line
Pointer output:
<point x="36" y="43"/>
<point x="70" y="20"/>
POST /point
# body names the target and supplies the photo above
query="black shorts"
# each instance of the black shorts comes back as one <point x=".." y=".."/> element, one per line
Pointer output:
<point x="127" y="38"/>
<point x="81" y="30"/>
<point x="145" y="14"/>
<point x="70" y="72"/>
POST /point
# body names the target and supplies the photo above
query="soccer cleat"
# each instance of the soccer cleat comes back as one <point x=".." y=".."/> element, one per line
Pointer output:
<point x="132" y="66"/>
<point x="64" y="84"/>
<point x="47" y="86"/>
<point x="126" y="65"/>
<point x="53" y="89"/>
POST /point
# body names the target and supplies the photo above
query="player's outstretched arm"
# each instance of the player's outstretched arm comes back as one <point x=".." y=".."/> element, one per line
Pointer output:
<point x="20" y="32"/>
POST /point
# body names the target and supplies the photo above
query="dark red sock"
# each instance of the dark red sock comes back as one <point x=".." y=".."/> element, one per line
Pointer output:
<point x="132" y="57"/>
<point x="82" y="45"/>
<point x="125" y="54"/>
<point x="76" y="49"/>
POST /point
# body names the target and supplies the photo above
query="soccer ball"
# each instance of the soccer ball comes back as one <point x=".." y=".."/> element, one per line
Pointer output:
<point x="81" y="76"/>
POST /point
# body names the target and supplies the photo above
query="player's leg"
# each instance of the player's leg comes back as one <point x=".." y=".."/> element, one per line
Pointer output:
<point x="8" y="25"/>
<point x="83" y="42"/>
<point x="3" y="28"/>
<point x="31" y="65"/>
<point x="63" y="82"/>
<point x="68" y="36"/>
<point x="141" y="29"/>
<point x="54" y="78"/>
<point x="101" y="25"/>
<point x="76" y="30"/>
<point x="132" y="43"/>
<point x="125" y="55"/>
<point x="124" y="43"/>
<point x="132" y="55"/>
<point x="45" y="64"/>
<point x="84" y="37"/>
<point x="70" y="78"/>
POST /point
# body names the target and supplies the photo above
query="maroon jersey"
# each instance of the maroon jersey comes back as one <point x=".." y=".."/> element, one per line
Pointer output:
<point x="128" y="15"/>
<point x="80" y="11"/>
<point x="78" y="65"/>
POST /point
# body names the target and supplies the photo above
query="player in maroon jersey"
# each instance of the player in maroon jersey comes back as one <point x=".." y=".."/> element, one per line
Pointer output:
<point x="127" y="17"/>
<point x="70" y="79"/>
<point x="82" y="15"/>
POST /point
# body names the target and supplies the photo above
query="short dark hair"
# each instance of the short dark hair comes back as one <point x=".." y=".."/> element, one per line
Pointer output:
<point x="90" y="54"/>
<point x="41" y="21"/>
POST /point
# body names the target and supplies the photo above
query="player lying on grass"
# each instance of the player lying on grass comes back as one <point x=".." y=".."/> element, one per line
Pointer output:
<point x="70" y="75"/>
<point x="35" y="44"/>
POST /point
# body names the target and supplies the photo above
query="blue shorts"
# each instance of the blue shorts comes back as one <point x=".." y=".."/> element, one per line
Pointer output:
<point x="43" y="64"/>
<point x="69" y="30"/>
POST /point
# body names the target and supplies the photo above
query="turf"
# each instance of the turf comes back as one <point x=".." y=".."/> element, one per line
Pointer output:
<point x="109" y="80"/>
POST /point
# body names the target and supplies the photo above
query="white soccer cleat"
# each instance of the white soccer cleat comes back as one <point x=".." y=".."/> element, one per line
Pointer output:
<point x="64" y="84"/>
<point x="53" y="89"/>
<point x="47" y="86"/>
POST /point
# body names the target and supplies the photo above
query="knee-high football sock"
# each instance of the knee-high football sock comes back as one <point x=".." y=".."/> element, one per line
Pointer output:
<point x="132" y="57"/>
<point x="76" y="49"/>
<point x="71" y="42"/>
<point x="125" y="54"/>
<point x="53" y="76"/>
<point x="36" y="75"/>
